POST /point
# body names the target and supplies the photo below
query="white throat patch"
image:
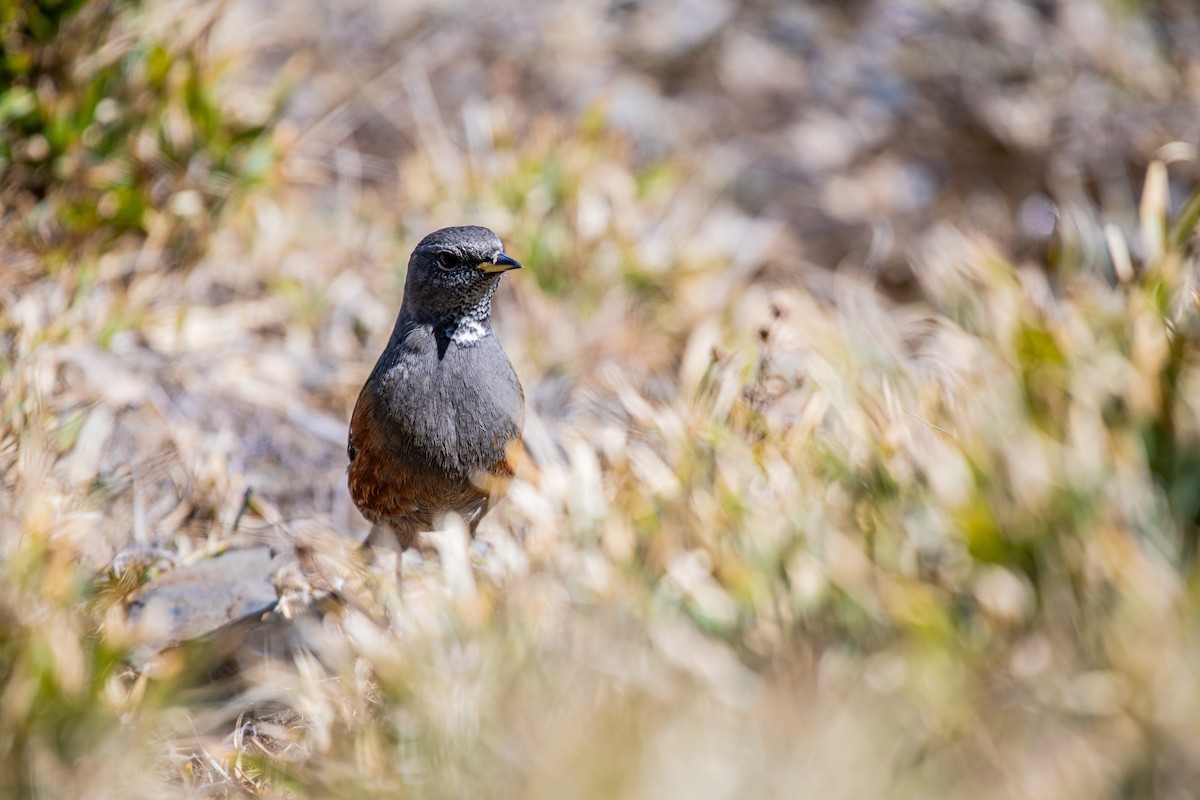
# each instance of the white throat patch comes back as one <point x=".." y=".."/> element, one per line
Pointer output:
<point x="466" y="331"/>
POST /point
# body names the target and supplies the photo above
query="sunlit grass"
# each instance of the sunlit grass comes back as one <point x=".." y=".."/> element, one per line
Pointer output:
<point x="775" y="540"/>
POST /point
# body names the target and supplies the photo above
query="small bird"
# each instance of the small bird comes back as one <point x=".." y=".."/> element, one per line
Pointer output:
<point x="438" y="423"/>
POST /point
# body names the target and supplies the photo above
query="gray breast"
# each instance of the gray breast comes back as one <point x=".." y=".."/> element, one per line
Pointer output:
<point x="456" y="412"/>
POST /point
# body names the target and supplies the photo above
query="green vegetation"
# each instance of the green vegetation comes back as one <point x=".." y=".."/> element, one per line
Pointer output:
<point x="108" y="126"/>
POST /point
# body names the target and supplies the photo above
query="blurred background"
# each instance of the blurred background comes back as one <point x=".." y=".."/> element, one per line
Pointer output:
<point x="860" y="345"/>
<point x="858" y="126"/>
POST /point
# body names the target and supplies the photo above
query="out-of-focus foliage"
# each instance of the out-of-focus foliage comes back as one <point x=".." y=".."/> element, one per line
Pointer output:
<point x="859" y="126"/>
<point x="786" y="537"/>
<point x="63" y="689"/>
<point x="111" y="125"/>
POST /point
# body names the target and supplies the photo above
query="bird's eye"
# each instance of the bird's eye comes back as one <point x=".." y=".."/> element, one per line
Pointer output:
<point x="445" y="259"/>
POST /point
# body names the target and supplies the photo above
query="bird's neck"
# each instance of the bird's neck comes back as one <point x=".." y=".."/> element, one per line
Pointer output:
<point x="470" y="321"/>
<point x="463" y="318"/>
<point x="468" y="328"/>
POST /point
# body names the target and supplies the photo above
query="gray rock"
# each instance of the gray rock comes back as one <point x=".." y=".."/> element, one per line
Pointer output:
<point x="199" y="599"/>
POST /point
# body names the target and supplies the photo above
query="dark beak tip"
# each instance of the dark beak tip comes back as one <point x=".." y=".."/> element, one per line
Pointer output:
<point x="509" y="262"/>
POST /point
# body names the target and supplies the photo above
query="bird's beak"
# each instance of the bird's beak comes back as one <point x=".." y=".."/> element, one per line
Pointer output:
<point x="500" y="263"/>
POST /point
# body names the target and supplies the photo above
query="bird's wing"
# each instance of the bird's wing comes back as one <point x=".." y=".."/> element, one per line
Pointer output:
<point x="383" y="487"/>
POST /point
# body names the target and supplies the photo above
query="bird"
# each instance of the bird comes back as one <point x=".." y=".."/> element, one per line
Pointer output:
<point x="437" y="426"/>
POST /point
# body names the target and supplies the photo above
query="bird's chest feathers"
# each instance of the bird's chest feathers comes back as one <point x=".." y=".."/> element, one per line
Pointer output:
<point x="460" y="406"/>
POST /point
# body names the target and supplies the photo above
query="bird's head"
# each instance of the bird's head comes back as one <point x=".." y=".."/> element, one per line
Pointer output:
<point x="454" y="271"/>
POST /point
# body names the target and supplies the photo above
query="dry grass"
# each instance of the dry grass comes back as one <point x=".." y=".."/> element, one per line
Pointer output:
<point x="784" y="536"/>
